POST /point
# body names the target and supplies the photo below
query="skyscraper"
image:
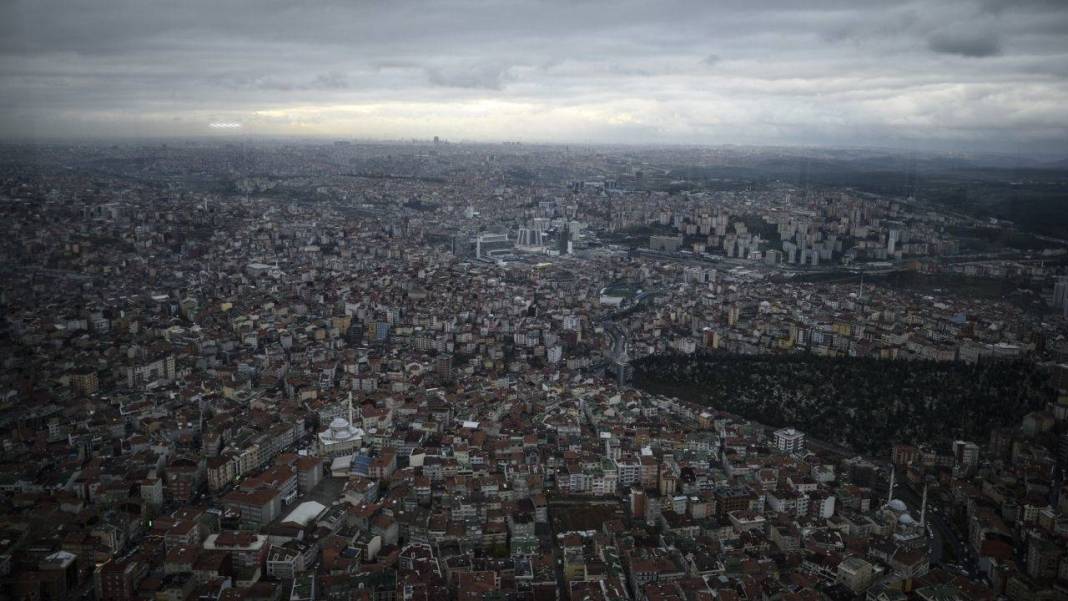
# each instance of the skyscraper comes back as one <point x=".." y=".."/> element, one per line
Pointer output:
<point x="565" y="239"/>
<point x="529" y="238"/>
<point x="1060" y="295"/>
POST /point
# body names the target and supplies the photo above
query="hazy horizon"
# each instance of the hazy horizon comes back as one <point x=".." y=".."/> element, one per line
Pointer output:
<point x="980" y="76"/>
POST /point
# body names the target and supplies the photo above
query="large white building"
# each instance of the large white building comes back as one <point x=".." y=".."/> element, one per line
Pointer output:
<point x="490" y="246"/>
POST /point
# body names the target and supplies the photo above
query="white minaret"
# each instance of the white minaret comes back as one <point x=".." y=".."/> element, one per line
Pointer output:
<point x="350" y="409"/>
<point x="890" y="495"/>
<point x="923" y="508"/>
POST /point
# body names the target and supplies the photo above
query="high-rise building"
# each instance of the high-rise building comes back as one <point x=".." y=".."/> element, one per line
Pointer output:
<point x="855" y="574"/>
<point x="58" y="575"/>
<point x="638" y="502"/>
<point x="443" y="367"/>
<point x="565" y="240"/>
<point x="1043" y="557"/>
<point x="490" y="246"/>
<point x="665" y="243"/>
<point x="118" y="579"/>
<point x="85" y="381"/>
<point x="530" y="238"/>
<point x="789" y="440"/>
<point x="966" y="454"/>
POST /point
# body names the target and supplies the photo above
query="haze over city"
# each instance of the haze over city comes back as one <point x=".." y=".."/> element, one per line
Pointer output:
<point x="957" y="75"/>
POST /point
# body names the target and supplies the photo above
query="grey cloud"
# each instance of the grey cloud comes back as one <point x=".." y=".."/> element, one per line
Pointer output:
<point x="331" y="81"/>
<point x="324" y="81"/>
<point x="475" y="76"/>
<point x="616" y="68"/>
<point x="973" y="44"/>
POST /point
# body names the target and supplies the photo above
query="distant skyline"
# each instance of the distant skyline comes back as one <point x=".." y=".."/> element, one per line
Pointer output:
<point x="967" y="75"/>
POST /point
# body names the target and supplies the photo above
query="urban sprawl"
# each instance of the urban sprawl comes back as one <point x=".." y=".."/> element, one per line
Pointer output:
<point x="243" y="371"/>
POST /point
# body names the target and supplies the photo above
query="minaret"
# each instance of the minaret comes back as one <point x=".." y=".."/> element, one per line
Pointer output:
<point x="923" y="508"/>
<point x="350" y="408"/>
<point x="890" y="495"/>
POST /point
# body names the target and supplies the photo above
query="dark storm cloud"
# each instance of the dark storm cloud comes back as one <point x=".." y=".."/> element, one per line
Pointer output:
<point x="323" y="81"/>
<point x="858" y="71"/>
<point x="478" y="76"/>
<point x="975" y="44"/>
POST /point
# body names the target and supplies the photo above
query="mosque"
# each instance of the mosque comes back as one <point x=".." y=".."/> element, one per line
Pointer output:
<point x="341" y="437"/>
<point x="907" y="531"/>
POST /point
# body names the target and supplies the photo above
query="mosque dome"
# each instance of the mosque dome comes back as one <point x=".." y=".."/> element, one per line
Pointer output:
<point x="897" y="505"/>
<point x="339" y="428"/>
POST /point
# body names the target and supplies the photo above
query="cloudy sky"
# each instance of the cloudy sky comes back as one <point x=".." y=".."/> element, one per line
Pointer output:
<point x="968" y="74"/>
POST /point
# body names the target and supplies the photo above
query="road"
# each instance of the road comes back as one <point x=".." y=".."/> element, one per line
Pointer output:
<point x="618" y="338"/>
<point x="57" y="273"/>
